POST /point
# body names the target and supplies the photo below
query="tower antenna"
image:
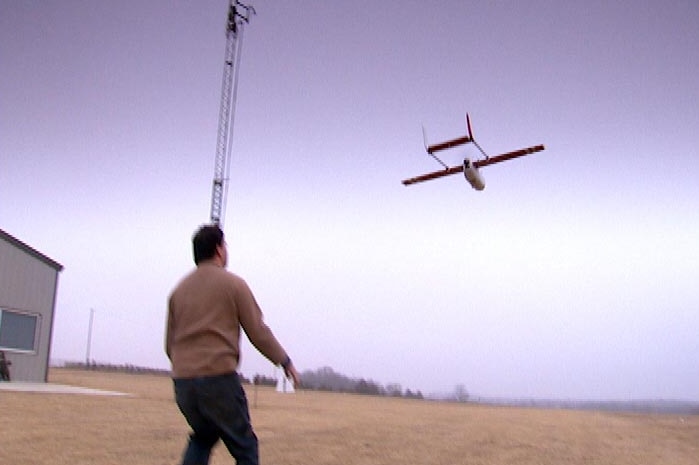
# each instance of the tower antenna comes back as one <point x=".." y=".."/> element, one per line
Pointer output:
<point x="238" y="16"/>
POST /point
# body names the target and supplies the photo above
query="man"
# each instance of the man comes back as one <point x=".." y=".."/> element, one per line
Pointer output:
<point x="205" y="314"/>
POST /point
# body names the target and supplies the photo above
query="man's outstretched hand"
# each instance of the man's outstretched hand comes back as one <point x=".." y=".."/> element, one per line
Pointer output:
<point x="292" y="374"/>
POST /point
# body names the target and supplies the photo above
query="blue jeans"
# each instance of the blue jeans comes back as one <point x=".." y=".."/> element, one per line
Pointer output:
<point x="216" y="408"/>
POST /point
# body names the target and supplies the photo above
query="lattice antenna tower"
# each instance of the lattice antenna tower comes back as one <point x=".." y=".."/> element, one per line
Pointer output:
<point x="238" y="16"/>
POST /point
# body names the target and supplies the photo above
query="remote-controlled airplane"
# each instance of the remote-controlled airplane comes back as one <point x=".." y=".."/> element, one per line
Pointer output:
<point x="469" y="168"/>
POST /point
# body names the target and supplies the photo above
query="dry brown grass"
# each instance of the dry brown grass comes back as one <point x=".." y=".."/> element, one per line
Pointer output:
<point x="328" y="429"/>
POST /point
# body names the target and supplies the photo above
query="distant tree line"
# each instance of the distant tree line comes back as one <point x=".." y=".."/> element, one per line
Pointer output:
<point x="261" y="380"/>
<point x="650" y="406"/>
<point x="322" y="379"/>
<point x="116" y="368"/>
<point x="326" y="379"/>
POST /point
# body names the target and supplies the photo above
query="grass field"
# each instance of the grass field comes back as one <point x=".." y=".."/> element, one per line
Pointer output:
<point x="328" y="429"/>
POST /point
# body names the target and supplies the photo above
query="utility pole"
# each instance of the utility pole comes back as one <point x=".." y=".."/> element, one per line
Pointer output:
<point x="89" y="339"/>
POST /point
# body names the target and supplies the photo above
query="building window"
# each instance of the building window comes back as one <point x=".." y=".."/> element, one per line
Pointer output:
<point x="18" y="331"/>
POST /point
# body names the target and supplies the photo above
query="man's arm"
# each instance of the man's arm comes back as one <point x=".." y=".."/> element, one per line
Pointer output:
<point x="290" y="371"/>
<point x="259" y="334"/>
<point x="168" y="329"/>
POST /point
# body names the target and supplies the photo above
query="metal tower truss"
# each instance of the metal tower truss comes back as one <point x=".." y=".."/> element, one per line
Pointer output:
<point x="238" y="15"/>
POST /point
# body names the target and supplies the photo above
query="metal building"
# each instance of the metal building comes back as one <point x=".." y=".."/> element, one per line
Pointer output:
<point x="28" y="286"/>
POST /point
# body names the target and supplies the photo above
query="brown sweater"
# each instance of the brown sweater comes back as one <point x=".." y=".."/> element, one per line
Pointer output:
<point x="205" y="313"/>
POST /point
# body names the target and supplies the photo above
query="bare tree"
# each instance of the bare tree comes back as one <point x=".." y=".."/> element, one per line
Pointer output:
<point x="460" y="393"/>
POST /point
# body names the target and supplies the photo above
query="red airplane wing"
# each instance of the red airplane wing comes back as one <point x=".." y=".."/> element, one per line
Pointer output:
<point x="448" y="144"/>
<point x="434" y="175"/>
<point x="507" y="156"/>
<point x="477" y="164"/>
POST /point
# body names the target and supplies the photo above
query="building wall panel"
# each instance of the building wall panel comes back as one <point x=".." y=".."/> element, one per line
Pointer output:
<point x="28" y="285"/>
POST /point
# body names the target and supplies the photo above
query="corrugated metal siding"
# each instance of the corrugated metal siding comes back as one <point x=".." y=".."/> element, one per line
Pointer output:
<point x="28" y="285"/>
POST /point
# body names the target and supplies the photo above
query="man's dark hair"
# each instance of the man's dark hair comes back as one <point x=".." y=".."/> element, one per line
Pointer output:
<point x="205" y="241"/>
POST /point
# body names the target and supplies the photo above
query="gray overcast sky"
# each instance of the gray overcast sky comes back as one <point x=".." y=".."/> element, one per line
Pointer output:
<point x="572" y="275"/>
